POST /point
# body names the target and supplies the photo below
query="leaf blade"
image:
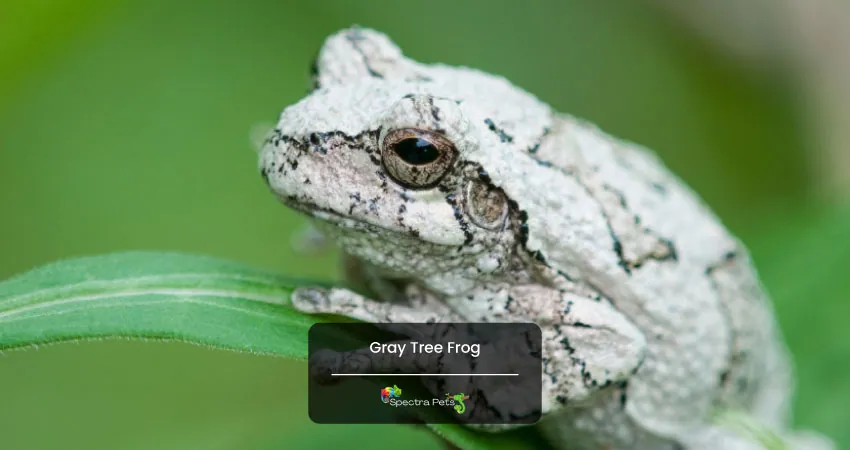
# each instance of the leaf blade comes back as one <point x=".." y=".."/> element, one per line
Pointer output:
<point x="150" y="295"/>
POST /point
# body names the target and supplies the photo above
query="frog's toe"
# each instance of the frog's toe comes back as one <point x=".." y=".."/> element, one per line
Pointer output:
<point x="339" y="301"/>
<point x="310" y="300"/>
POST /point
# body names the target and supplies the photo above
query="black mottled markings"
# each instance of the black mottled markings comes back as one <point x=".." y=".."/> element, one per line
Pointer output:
<point x="316" y="142"/>
<point x="581" y="325"/>
<point x="523" y="232"/>
<point x="552" y="377"/>
<point x="452" y="200"/>
<point x="503" y="136"/>
<point x="672" y="252"/>
<point x="538" y="255"/>
<point x="658" y="187"/>
<point x="354" y="37"/>
<point x="484" y="176"/>
<point x="670" y="255"/>
<point x="565" y="275"/>
<point x="543" y="163"/>
<point x="724" y="377"/>
<point x="565" y="344"/>
<point x="639" y="365"/>
<point x="620" y="197"/>
<point x="738" y="356"/>
<point x="623" y="386"/>
<point x="534" y="148"/>
<point x="435" y="113"/>
<point x="618" y="247"/>
<point x="400" y="214"/>
<point x="314" y="73"/>
<point x="523" y="224"/>
<point x="373" y="205"/>
<point x="355" y="197"/>
<point x="508" y="303"/>
<point x="728" y="258"/>
<point x="383" y="177"/>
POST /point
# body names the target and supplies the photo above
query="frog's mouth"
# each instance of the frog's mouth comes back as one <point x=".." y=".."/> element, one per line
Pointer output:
<point x="327" y="215"/>
<point x="315" y="211"/>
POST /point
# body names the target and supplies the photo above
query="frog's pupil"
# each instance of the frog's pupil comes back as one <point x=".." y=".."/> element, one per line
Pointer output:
<point x="417" y="151"/>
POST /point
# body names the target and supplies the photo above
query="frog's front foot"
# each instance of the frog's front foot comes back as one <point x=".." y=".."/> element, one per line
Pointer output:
<point x="350" y="304"/>
<point x="311" y="300"/>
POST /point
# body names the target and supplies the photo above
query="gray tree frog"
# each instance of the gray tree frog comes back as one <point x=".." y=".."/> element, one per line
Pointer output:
<point x="457" y="196"/>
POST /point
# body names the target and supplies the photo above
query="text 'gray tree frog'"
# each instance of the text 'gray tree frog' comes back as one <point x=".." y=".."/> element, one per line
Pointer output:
<point x="458" y="197"/>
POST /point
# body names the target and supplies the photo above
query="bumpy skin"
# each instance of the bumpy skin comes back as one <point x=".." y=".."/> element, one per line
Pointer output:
<point x="651" y="312"/>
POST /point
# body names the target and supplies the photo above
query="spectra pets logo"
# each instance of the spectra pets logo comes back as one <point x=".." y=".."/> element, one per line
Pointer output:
<point x="459" y="406"/>
<point x="390" y="392"/>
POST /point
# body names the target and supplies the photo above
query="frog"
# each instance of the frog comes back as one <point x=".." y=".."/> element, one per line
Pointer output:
<point x="456" y="196"/>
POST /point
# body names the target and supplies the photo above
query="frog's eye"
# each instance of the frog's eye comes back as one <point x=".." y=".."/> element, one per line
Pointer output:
<point x="417" y="159"/>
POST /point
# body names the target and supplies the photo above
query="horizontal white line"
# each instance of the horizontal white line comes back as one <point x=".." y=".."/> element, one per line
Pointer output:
<point x="424" y="374"/>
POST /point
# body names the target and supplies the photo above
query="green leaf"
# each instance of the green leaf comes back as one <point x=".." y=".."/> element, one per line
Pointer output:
<point x="162" y="296"/>
<point x="170" y="296"/>
<point x="467" y="439"/>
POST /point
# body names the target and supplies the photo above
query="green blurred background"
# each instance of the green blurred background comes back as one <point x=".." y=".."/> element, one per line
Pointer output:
<point x="127" y="125"/>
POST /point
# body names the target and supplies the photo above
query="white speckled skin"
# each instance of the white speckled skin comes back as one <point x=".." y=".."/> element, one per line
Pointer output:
<point x="651" y="312"/>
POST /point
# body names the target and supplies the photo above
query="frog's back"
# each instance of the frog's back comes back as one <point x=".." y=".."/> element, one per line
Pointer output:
<point x="681" y="277"/>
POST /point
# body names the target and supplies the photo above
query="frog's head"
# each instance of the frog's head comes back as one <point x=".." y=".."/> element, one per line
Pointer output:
<point x="387" y="148"/>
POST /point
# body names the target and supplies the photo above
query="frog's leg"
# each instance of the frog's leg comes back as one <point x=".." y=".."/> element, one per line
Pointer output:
<point x="588" y="345"/>
<point x="344" y="302"/>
